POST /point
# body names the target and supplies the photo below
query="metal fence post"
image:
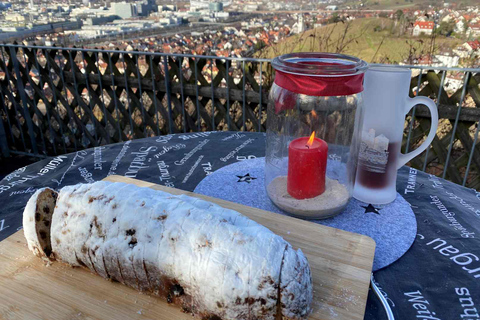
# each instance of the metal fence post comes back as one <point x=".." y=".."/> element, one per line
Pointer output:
<point x="23" y="96"/>
<point x="3" y="141"/>
<point x="169" y="95"/>
<point x="454" y="130"/>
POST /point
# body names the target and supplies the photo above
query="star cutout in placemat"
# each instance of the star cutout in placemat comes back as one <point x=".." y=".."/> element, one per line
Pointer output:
<point x="370" y="208"/>
<point x="246" y="178"/>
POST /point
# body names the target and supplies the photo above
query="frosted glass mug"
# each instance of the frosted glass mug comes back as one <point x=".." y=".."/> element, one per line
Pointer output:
<point x="386" y="103"/>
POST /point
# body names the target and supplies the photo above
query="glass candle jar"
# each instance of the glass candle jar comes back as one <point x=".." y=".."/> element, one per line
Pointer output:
<point x="313" y="132"/>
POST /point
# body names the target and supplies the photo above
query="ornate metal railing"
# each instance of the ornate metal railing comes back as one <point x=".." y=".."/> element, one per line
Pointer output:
<point x="59" y="100"/>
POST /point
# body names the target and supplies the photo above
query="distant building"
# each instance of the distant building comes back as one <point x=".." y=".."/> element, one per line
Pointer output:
<point x="98" y="20"/>
<point x="468" y="49"/>
<point x="448" y="18"/>
<point x="453" y="82"/>
<point x="459" y="26"/>
<point x="473" y="30"/>
<point x="169" y="7"/>
<point x="299" y="26"/>
<point x="447" y="60"/>
<point x="16" y="20"/>
<point x="5" y="5"/>
<point x="332" y="8"/>
<point x="122" y="9"/>
<point x="222" y="15"/>
<point x="423" y="27"/>
<point x="215" y="6"/>
<point x="144" y="8"/>
<point x="472" y="45"/>
<point x="204" y="4"/>
<point x="250" y="7"/>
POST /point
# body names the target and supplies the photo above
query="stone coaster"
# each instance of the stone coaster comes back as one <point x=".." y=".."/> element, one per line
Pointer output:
<point x="392" y="226"/>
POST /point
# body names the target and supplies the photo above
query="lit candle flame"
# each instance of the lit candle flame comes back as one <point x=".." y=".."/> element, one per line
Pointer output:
<point x="314" y="114"/>
<point x="310" y="141"/>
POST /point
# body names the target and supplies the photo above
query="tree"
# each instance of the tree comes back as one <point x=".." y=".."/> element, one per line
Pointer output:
<point x="446" y="28"/>
<point x="398" y="14"/>
<point x="334" y="18"/>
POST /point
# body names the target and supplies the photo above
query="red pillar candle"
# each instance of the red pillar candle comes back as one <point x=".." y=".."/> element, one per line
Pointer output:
<point x="307" y="166"/>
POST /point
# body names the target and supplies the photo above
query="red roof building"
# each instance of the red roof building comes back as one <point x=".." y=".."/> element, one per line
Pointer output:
<point x="475" y="45"/>
<point x="423" y="27"/>
<point x="473" y="30"/>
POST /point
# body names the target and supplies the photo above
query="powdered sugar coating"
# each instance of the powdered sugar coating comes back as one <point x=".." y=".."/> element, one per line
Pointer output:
<point x="211" y="260"/>
<point x="296" y="291"/>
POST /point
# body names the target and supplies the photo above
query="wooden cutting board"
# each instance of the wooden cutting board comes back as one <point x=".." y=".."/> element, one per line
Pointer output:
<point x="341" y="263"/>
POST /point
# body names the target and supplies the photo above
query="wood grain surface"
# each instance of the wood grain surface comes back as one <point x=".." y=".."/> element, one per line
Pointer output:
<point x="30" y="288"/>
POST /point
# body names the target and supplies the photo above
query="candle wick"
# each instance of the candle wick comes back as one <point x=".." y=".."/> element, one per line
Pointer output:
<point x="307" y="146"/>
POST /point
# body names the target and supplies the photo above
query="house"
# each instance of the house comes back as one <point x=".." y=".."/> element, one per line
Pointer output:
<point x="473" y="30"/>
<point x="472" y="45"/>
<point x="459" y="26"/>
<point x="453" y="82"/>
<point x="468" y="49"/>
<point x="448" y="60"/>
<point x="423" y="27"/>
<point x="448" y="18"/>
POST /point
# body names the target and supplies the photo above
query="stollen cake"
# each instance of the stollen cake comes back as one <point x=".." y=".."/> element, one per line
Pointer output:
<point x="213" y="262"/>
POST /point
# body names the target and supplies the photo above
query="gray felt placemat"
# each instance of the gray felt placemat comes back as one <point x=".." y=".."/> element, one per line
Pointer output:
<point x="392" y="226"/>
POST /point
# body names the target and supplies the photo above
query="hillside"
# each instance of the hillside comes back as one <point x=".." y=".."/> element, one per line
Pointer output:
<point x="372" y="39"/>
<point x="400" y="4"/>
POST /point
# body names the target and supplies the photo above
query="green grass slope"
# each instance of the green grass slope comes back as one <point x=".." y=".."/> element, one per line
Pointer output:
<point x="372" y="39"/>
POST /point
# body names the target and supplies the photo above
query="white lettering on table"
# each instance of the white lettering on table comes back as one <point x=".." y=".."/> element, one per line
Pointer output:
<point x="190" y="172"/>
<point x="15" y="174"/>
<point x="191" y="153"/>
<point x="451" y="218"/>
<point x="2" y="225"/>
<point x="241" y="158"/>
<point x="52" y="165"/>
<point x="194" y="135"/>
<point x="164" y="139"/>
<point x="207" y="168"/>
<point x="139" y="162"/>
<point x="237" y="136"/>
<point x="166" y="149"/>
<point x="468" y="206"/>
<point x="477" y="193"/>
<point x="240" y="147"/>
<point x="12" y="184"/>
<point x="460" y="259"/>
<point x="468" y="305"/>
<point x="412" y="179"/>
<point x="78" y="155"/>
<point x="421" y="306"/>
<point x="86" y="175"/>
<point x="165" y="174"/>
<point x="28" y="190"/>
<point x="97" y="158"/>
<point x="119" y="157"/>
<point x="435" y="181"/>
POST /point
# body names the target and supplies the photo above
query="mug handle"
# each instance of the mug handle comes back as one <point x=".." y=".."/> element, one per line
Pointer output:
<point x="411" y="102"/>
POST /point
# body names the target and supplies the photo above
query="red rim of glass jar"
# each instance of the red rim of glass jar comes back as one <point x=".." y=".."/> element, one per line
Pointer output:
<point x="320" y="74"/>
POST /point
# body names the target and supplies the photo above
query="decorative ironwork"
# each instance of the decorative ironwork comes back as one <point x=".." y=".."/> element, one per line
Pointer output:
<point x="59" y="100"/>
